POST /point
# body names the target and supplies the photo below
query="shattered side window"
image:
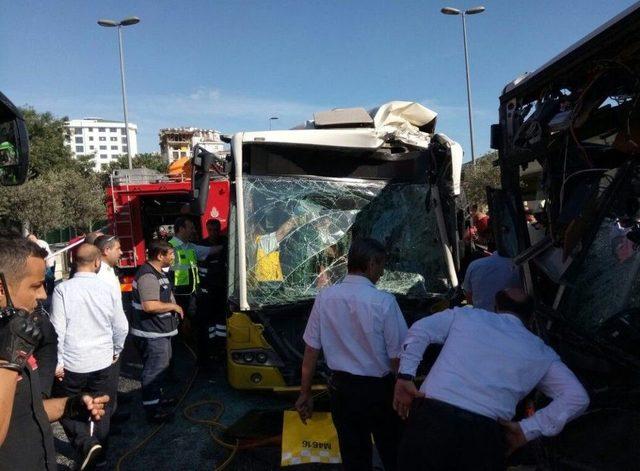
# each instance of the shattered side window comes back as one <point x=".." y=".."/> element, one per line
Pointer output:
<point x="298" y="233"/>
<point x="608" y="281"/>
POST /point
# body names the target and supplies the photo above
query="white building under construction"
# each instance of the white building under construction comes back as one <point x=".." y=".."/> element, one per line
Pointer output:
<point x="179" y="142"/>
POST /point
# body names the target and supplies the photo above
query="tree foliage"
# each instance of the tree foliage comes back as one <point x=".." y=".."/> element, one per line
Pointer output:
<point x="66" y="198"/>
<point x="47" y="151"/>
<point x="476" y="178"/>
<point x="61" y="192"/>
<point x="150" y="160"/>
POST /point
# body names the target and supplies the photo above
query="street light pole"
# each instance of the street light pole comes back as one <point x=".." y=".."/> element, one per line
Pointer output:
<point x="124" y="97"/>
<point x="463" y="14"/>
<point x="271" y="121"/>
<point x="466" y="65"/>
<point x="110" y="24"/>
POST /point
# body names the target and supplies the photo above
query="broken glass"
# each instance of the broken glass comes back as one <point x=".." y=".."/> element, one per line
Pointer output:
<point x="298" y="232"/>
<point x="608" y="280"/>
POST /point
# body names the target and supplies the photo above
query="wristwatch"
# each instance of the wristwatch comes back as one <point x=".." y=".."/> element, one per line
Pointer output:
<point x="405" y="376"/>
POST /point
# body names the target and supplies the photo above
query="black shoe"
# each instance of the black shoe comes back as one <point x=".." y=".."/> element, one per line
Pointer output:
<point x="92" y="452"/>
<point x="158" y="415"/>
<point x="120" y="417"/>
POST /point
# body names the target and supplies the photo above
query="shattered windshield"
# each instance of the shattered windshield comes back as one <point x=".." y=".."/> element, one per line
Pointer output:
<point x="298" y="232"/>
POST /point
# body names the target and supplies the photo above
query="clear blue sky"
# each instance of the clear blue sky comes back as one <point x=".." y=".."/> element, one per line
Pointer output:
<point x="229" y="65"/>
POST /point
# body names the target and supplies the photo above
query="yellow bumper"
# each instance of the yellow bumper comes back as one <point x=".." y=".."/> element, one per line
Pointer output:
<point x="244" y="335"/>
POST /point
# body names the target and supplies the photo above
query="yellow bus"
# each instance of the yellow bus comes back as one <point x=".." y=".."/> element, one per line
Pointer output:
<point x="300" y="196"/>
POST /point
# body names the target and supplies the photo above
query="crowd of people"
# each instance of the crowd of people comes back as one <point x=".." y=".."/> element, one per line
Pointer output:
<point x="461" y="416"/>
<point x="66" y="365"/>
<point x="61" y="346"/>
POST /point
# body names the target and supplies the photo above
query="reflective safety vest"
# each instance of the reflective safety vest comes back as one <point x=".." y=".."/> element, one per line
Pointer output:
<point x="268" y="267"/>
<point x="185" y="268"/>
<point x="153" y="325"/>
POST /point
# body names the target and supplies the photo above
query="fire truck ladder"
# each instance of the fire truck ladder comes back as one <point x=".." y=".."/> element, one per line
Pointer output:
<point x="122" y="217"/>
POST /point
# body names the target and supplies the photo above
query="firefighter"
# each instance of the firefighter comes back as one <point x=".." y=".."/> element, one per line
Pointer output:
<point x="185" y="273"/>
<point x="185" y="268"/>
<point x="210" y="320"/>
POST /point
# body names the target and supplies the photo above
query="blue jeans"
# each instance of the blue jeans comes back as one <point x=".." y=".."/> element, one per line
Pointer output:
<point x="156" y="355"/>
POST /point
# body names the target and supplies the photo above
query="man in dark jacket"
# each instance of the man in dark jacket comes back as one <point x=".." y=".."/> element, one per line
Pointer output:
<point x="26" y="439"/>
<point x="154" y="323"/>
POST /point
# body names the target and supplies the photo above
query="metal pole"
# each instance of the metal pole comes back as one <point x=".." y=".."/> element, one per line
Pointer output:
<point x="124" y="97"/>
<point x="466" y="63"/>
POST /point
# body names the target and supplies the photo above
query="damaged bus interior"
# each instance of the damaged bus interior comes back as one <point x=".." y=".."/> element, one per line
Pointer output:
<point x="568" y="211"/>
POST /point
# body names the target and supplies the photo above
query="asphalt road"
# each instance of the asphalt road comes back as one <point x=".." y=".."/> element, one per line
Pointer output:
<point x="182" y="444"/>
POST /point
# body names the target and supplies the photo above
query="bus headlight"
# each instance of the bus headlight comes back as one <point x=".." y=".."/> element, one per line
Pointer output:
<point x="258" y="357"/>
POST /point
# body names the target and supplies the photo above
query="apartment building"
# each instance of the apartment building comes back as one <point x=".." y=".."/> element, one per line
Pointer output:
<point x="103" y="139"/>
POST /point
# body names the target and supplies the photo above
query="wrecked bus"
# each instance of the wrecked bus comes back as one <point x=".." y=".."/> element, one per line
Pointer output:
<point x="298" y="199"/>
<point x="568" y="143"/>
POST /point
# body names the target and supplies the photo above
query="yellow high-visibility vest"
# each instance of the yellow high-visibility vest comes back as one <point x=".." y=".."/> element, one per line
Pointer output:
<point x="185" y="267"/>
<point x="268" y="266"/>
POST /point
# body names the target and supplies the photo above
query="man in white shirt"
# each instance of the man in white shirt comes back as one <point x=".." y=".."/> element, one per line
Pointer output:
<point x="111" y="251"/>
<point x="461" y="417"/>
<point x="360" y="331"/>
<point x="91" y="333"/>
<point x="488" y="275"/>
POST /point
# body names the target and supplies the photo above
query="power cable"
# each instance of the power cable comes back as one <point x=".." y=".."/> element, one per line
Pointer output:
<point x="211" y="422"/>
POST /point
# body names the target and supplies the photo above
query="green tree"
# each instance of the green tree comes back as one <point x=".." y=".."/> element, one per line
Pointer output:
<point x="153" y="161"/>
<point x="476" y="178"/>
<point x="38" y="204"/>
<point x="83" y="198"/>
<point x="85" y="163"/>
<point x="61" y="191"/>
<point x="47" y="150"/>
<point x="66" y="198"/>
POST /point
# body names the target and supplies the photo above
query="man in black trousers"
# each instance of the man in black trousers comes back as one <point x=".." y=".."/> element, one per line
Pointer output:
<point x="462" y="416"/>
<point x="360" y="330"/>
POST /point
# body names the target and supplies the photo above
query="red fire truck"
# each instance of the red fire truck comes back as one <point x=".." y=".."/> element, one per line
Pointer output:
<point x="142" y="204"/>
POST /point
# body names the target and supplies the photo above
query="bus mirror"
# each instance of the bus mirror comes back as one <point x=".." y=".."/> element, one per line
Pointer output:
<point x="201" y="168"/>
<point x="14" y="144"/>
<point x="496" y="136"/>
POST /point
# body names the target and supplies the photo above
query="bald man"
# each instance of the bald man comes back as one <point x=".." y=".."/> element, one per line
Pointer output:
<point x="461" y="418"/>
<point x="91" y="335"/>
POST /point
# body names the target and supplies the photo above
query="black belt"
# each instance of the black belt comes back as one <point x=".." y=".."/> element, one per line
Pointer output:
<point x="455" y="411"/>
<point x="344" y="377"/>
